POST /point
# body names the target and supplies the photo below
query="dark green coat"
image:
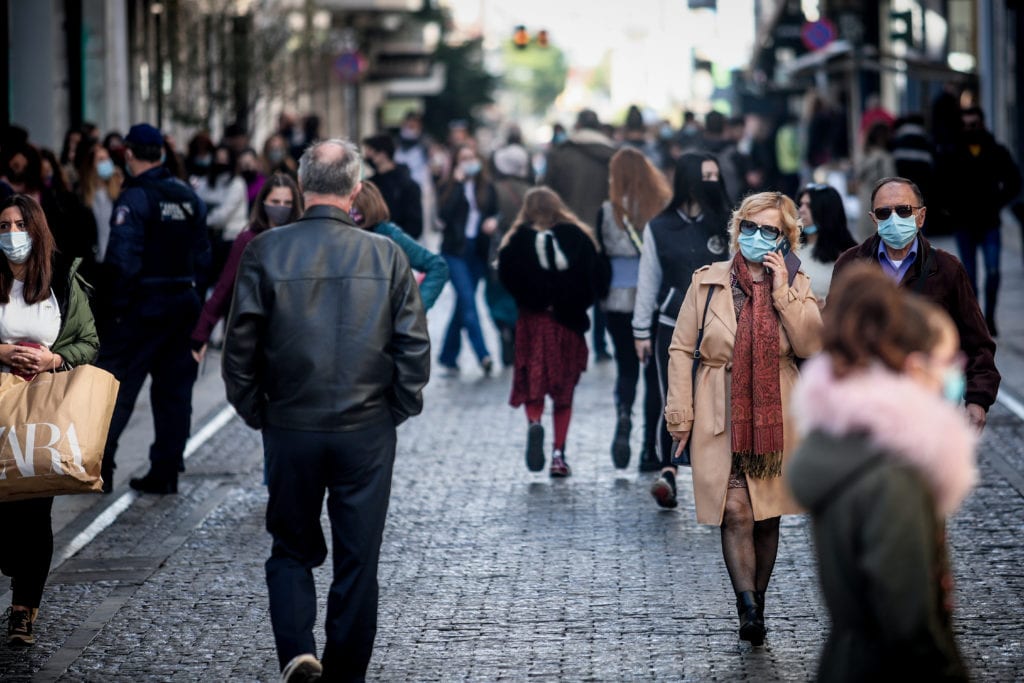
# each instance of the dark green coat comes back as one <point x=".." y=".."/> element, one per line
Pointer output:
<point x="882" y="558"/>
<point x="77" y="342"/>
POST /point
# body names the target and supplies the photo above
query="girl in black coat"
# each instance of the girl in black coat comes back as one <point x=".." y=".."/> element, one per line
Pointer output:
<point x="549" y="263"/>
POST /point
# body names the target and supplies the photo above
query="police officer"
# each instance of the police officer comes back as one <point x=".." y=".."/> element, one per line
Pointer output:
<point x="157" y="251"/>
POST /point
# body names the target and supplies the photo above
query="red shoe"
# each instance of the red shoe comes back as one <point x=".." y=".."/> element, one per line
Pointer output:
<point x="559" y="468"/>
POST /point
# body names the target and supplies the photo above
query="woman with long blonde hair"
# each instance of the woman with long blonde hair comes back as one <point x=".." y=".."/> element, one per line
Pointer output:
<point x="549" y="263"/>
<point x="637" y="192"/>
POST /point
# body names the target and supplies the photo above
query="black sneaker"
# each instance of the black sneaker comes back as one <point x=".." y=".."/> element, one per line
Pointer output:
<point x="535" y="447"/>
<point x="152" y="483"/>
<point x="664" y="490"/>
<point x="620" y="443"/>
<point x="19" y="627"/>
<point x="649" y="462"/>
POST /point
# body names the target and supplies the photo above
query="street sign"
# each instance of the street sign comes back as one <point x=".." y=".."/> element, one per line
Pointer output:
<point x="350" y="66"/>
<point x="817" y="34"/>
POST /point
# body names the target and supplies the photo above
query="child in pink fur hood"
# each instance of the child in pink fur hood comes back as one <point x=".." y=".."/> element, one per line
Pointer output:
<point x="886" y="455"/>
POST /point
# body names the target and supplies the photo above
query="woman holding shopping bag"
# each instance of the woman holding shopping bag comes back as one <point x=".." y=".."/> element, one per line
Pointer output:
<point x="755" y="316"/>
<point x="45" y="325"/>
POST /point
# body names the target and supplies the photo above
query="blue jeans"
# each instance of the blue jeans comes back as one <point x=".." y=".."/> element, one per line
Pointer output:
<point x="465" y="272"/>
<point x="991" y="248"/>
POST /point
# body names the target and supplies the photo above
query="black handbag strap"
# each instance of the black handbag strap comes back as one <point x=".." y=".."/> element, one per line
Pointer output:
<point x="919" y="285"/>
<point x="700" y="338"/>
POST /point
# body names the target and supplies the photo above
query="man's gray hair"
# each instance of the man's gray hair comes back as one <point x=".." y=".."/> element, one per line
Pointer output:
<point x="330" y="167"/>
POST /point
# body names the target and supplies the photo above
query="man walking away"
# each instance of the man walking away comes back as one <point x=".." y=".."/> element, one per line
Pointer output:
<point x="327" y="352"/>
<point x="400" y="191"/>
<point x="148" y="305"/>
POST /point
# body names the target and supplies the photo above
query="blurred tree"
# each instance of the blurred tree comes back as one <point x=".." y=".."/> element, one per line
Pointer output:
<point x="468" y="85"/>
<point x="538" y="72"/>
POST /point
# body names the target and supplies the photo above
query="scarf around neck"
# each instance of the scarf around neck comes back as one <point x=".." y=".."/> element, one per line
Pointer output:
<point x="756" y="401"/>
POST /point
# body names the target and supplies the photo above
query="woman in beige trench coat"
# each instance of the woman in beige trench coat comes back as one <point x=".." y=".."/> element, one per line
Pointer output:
<point x="761" y="317"/>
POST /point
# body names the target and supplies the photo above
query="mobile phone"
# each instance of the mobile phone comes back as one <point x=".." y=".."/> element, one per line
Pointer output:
<point x="783" y="247"/>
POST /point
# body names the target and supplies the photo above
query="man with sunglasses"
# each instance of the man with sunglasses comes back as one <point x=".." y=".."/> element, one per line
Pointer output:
<point x="903" y="253"/>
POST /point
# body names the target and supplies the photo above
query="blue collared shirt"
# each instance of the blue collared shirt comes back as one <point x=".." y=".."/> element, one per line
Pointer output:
<point x="889" y="267"/>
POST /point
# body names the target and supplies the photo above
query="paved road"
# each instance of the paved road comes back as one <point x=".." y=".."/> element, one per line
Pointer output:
<point x="489" y="572"/>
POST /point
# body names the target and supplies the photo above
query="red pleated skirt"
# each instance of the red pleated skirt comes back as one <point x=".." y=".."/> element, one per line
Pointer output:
<point x="549" y="360"/>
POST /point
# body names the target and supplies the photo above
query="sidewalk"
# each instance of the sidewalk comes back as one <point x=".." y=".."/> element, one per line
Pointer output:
<point x="489" y="572"/>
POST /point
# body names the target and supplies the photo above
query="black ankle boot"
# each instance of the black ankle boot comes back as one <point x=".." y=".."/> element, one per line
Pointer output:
<point x="759" y="595"/>
<point x="751" y="626"/>
<point x="620" y="442"/>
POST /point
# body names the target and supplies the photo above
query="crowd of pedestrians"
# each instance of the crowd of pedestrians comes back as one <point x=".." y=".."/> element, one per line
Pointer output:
<point x="714" y="272"/>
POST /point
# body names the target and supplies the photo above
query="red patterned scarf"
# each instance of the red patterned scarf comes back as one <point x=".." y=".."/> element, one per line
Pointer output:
<point x="757" y="436"/>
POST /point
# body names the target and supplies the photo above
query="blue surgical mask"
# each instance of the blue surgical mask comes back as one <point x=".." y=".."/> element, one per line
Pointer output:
<point x="811" y="229"/>
<point x="898" y="232"/>
<point x="105" y="169"/>
<point x="471" y="168"/>
<point x="16" y="246"/>
<point x="754" y="247"/>
<point x="954" y="384"/>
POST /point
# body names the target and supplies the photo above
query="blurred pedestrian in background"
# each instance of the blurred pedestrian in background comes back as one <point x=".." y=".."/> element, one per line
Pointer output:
<point x="885" y="458"/>
<point x="825" y="234"/>
<point x="227" y="203"/>
<point x="876" y="163"/>
<point x="99" y="185"/>
<point x="549" y="262"/>
<point x="977" y="178"/>
<point x="45" y="325"/>
<point x="903" y="253"/>
<point x="327" y="408"/>
<point x="757" y="318"/>
<point x="370" y="211"/>
<point x="278" y="203"/>
<point x="468" y="209"/>
<point x="512" y="171"/>
<point x="158" y="251"/>
<point x="401" y="193"/>
<point x="249" y="168"/>
<point x="637" y="193"/>
<point x="577" y="170"/>
<point x="689" y="233"/>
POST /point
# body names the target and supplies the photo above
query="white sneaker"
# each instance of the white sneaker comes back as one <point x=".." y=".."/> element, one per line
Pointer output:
<point x="302" y="668"/>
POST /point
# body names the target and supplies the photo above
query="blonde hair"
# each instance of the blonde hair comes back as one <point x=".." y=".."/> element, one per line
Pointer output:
<point x="762" y="201"/>
<point x="636" y="188"/>
<point x="543" y="209"/>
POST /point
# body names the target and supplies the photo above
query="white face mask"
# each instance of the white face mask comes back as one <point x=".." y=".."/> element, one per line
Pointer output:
<point x="17" y="246"/>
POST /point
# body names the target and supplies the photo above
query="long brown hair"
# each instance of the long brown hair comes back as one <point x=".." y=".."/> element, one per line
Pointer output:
<point x="481" y="181"/>
<point x="869" y="319"/>
<point x="636" y="189"/>
<point x="370" y="203"/>
<point x="543" y="208"/>
<point x="39" y="266"/>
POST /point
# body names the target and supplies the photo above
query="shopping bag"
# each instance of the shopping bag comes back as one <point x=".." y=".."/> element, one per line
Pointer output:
<point x="53" y="431"/>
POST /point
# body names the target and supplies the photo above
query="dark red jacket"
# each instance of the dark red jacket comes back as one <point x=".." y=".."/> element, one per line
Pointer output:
<point x="947" y="285"/>
<point x="217" y="306"/>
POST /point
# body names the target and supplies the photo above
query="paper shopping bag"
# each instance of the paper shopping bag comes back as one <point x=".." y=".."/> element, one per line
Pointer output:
<point x="53" y="431"/>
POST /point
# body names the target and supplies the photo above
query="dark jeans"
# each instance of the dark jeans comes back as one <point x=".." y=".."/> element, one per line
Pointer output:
<point x="27" y="548"/>
<point x="161" y="348"/>
<point x="991" y="249"/>
<point x="354" y="468"/>
<point x="597" y="335"/>
<point x="465" y="272"/>
<point x="662" y="340"/>
<point x="620" y="327"/>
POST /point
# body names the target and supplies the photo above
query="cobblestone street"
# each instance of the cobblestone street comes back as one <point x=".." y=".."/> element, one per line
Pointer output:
<point x="490" y="572"/>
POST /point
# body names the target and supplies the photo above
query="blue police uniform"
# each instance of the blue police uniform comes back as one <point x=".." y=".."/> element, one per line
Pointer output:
<point x="158" y="251"/>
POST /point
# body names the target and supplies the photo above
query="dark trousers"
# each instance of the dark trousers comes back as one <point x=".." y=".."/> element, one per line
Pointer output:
<point x="597" y="335"/>
<point x="662" y="340"/>
<point x="354" y="468"/>
<point x="27" y="548"/>
<point x="991" y="246"/>
<point x="620" y="327"/>
<point x="161" y="348"/>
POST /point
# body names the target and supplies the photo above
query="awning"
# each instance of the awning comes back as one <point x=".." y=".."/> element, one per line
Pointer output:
<point x="838" y="58"/>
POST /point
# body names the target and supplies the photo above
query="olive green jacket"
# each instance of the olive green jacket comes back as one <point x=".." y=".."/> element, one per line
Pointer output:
<point x="77" y="342"/>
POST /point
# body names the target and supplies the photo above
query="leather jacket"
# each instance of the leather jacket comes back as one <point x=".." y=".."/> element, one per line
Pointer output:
<point x="326" y="330"/>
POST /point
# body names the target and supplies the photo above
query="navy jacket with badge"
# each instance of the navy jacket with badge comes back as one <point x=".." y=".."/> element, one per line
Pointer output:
<point x="158" y="250"/>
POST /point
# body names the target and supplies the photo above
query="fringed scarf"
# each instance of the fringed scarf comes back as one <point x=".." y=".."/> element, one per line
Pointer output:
<point x="757" y="435"/>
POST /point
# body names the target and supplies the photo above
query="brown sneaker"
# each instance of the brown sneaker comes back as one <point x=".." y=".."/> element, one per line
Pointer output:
<point x="19" y="626"/>
<point x="559" y="468"/>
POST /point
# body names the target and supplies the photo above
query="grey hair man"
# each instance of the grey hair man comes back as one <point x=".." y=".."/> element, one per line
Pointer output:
<point x="326" y="352"/>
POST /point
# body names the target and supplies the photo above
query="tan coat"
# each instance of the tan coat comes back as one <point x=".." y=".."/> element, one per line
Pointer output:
<point x="800" y="333"/>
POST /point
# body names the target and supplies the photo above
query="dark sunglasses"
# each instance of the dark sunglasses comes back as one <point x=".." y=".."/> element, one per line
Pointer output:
<point x="903" y="211"/>
<point x="769" y="232"/>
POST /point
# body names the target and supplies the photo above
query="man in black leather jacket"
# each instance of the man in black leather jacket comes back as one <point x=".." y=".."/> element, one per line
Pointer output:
<point x="326" y="351"/>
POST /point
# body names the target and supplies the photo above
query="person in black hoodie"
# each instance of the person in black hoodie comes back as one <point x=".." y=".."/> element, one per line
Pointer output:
<point x="549" y="263"/>
<point x="401" y="193"/>
<point x="688" y="234"/>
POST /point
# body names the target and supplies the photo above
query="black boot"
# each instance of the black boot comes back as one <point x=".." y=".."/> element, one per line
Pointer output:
<point x="649" y="461"/>
<point x="508" y="349"/>
<point x="751" y="626"/>
<point x="620" y="443"/>
<point x="991" y="294"/>
<point x="155" y="483"/>
<point x="760" y="608"/>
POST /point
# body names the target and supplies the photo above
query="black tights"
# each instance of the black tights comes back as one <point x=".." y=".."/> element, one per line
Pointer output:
<point x="749" y="547"/>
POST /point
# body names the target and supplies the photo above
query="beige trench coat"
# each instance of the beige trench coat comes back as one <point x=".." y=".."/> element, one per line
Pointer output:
<point x="707" y="417"/>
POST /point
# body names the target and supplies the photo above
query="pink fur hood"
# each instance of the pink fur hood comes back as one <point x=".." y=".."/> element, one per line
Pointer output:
<point x="901" y="418"/>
